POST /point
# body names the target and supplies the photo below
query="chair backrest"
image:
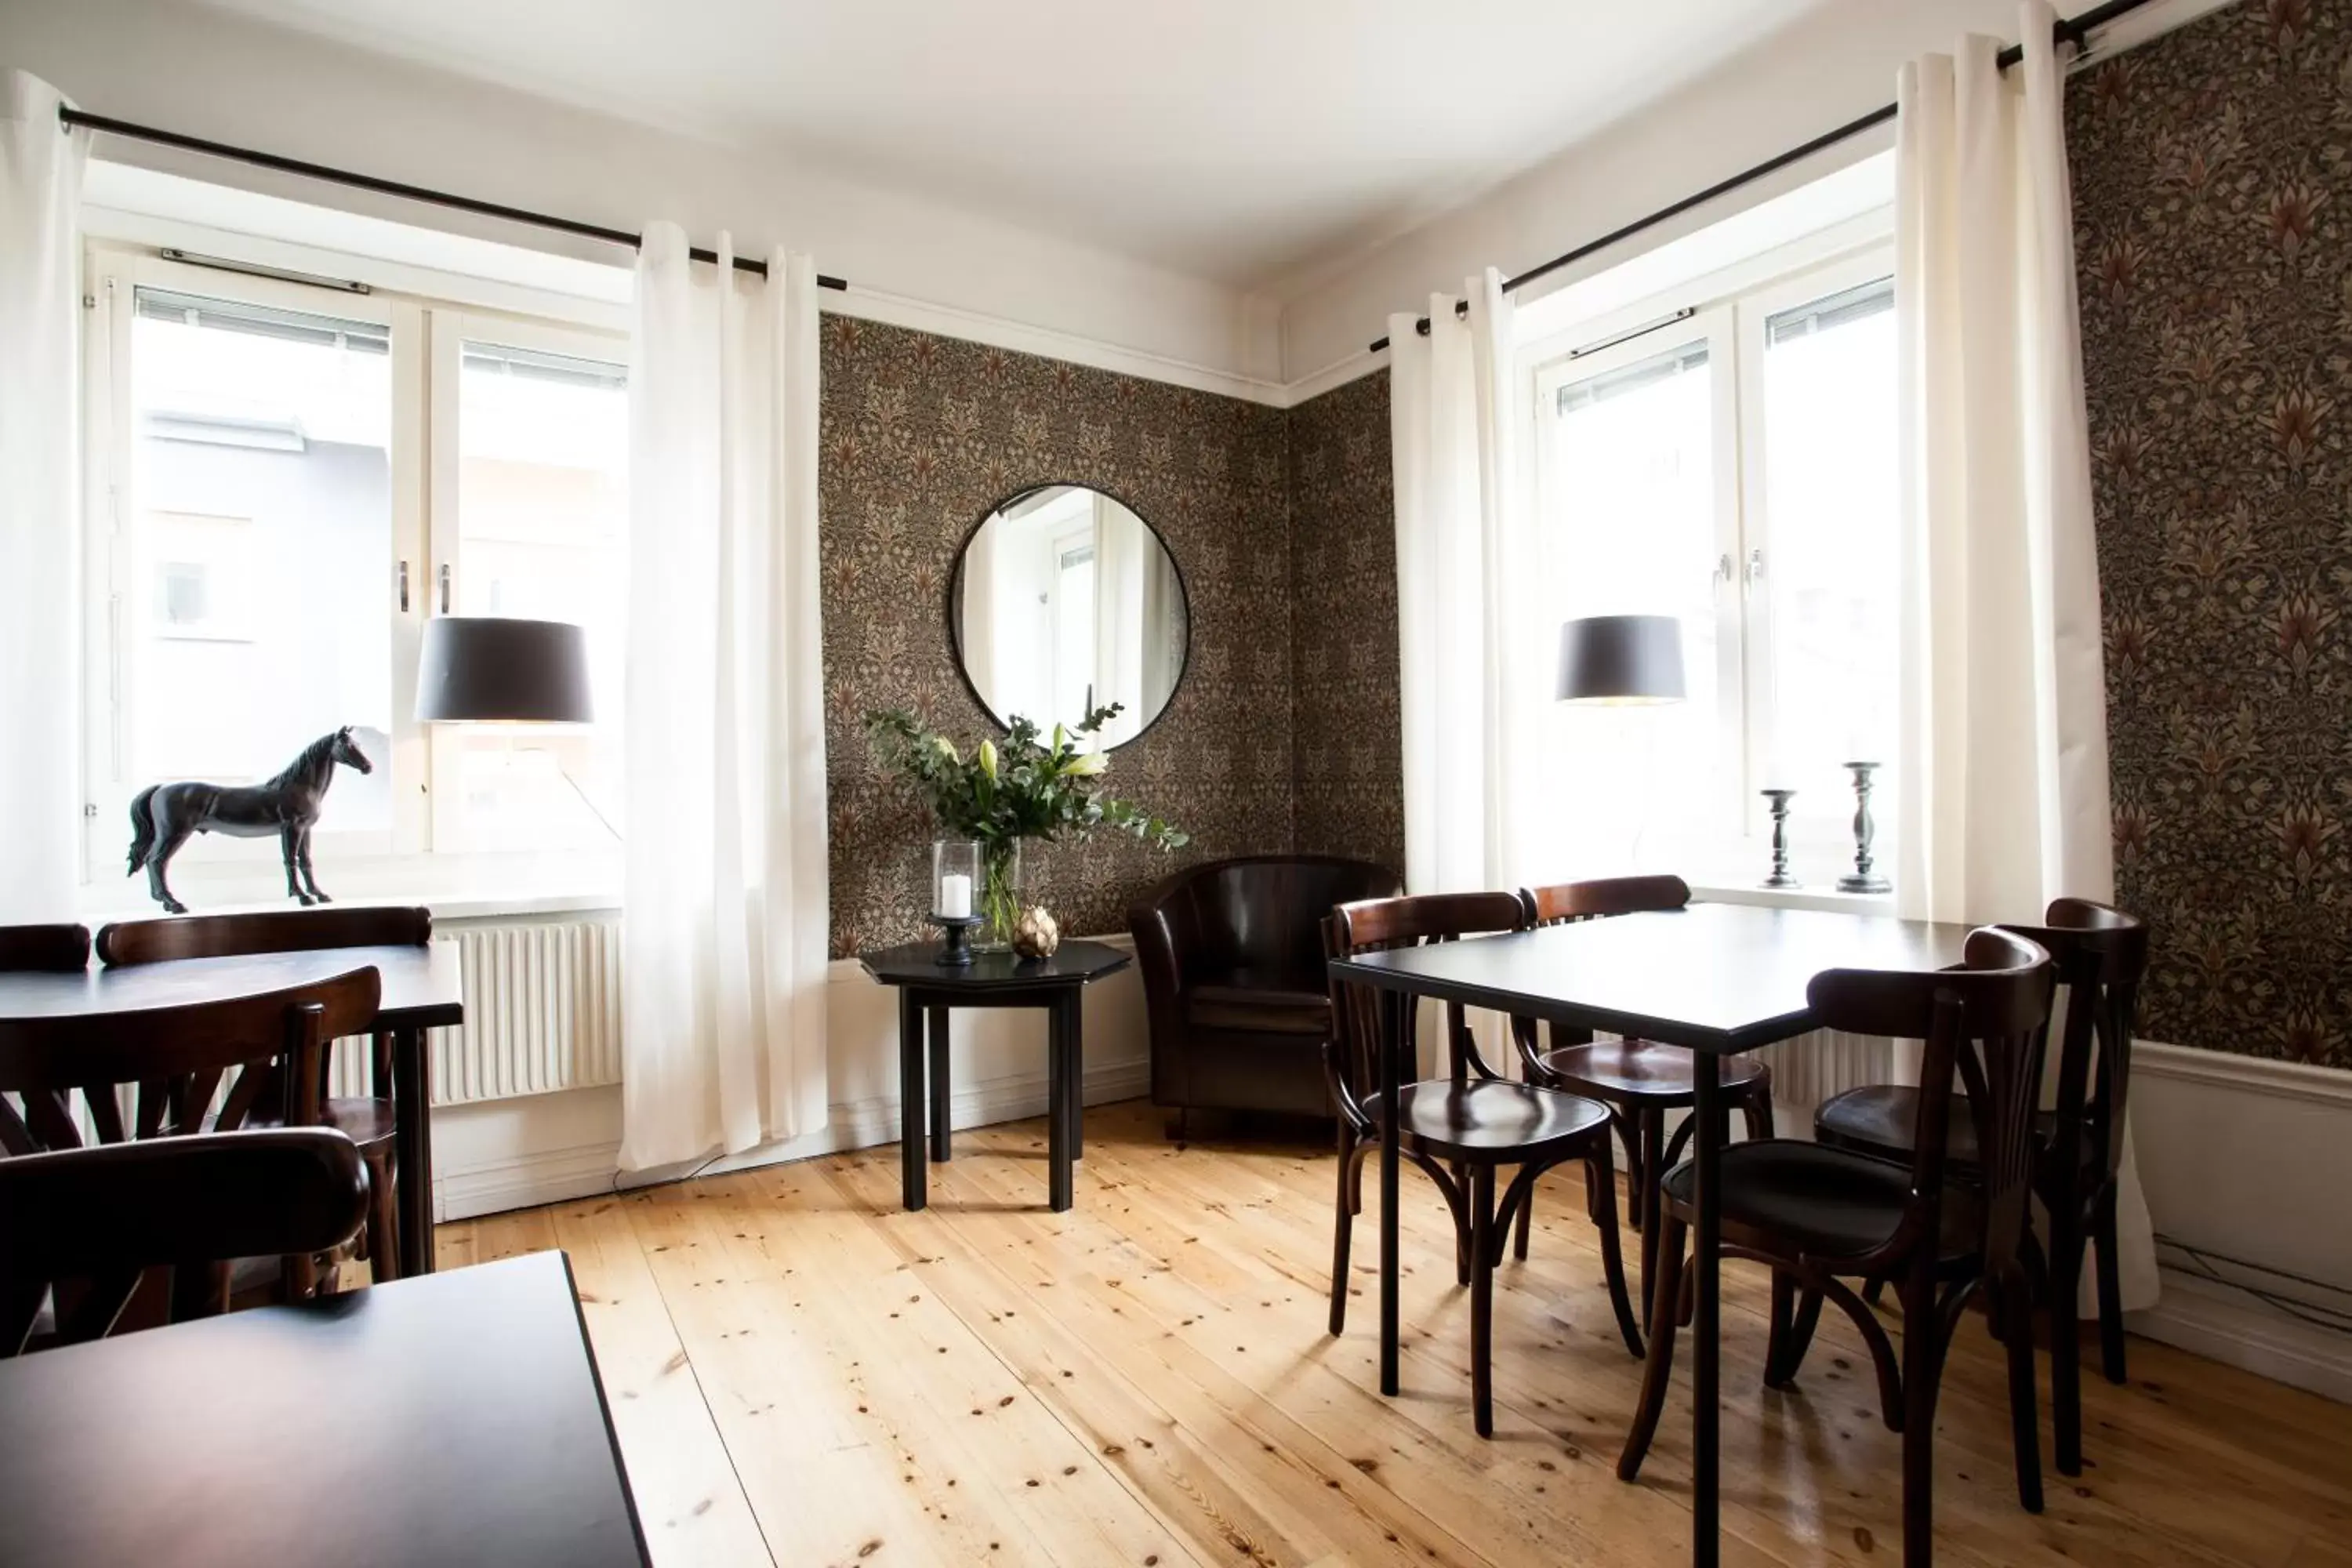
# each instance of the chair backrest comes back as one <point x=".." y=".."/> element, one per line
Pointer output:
<point x="1986" y="1023"/>
<point x="1564" y="902"/>
<point x="2101" y="955"/>
<point x="95" y="1220"/>
<point x="61" y="948"/>
<point x="277" y="931"/>
<point x="1261" y="912"/>
<point x="179" y="1058"/>
<point x="1379" y="925"/>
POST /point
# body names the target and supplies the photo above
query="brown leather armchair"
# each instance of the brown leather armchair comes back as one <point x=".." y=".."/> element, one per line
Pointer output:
<point x="1232" y="955"/>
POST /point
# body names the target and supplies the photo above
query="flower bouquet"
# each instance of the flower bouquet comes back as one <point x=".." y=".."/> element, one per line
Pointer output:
<point x="1029" y="787"/>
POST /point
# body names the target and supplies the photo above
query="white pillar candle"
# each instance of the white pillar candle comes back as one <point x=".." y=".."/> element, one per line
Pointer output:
<point x="955" y="896"/>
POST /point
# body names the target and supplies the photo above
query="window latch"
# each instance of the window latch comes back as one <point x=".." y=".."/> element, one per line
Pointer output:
<point x="1754" y="567"/>
<point x="404" y="587"/>
<point x="1723" y="567"/>
<point x="445" y="587"/>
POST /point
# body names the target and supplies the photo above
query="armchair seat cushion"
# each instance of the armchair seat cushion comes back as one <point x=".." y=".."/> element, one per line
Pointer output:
<point x="1261" y="1002"/>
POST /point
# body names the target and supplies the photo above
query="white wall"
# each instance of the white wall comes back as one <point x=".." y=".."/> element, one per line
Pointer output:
<point x="202" y="72"/>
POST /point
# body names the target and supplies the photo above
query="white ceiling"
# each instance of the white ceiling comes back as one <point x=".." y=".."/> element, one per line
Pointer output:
<point x="1245" y="142"/>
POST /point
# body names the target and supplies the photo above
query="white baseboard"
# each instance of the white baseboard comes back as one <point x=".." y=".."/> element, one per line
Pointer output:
<point x="2211" y="1319"/>
<point x="584" y="1170"/>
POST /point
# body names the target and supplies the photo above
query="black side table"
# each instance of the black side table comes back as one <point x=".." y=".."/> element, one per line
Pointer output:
<point x="928" y="989"/>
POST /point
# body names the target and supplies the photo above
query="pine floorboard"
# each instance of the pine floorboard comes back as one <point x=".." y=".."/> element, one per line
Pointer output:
<point x="800" y="1372"/>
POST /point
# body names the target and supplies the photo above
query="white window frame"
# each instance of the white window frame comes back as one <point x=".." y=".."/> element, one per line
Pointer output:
<point x="425" y="329"/>
<point x="1728" y="309"/>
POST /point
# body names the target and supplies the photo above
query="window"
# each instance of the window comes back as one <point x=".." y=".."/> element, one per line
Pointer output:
<point x="286" y="479"/>
<point x="1732" y="465"/>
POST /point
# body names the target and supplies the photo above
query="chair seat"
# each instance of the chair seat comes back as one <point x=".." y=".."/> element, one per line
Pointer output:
<point x="1785" y="1196"/>
<point x="1643" y="1071"/>
<point x="370" y="1124"/>
<point x="1490" y="1118"/>
<point x="1881" y="1117"/>
<point x="1261" y="1003"/>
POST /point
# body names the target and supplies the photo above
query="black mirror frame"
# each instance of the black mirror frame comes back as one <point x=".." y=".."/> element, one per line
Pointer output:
<point x="955" y="589"/>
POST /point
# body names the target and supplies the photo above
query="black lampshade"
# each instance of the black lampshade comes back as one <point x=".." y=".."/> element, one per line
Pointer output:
<point x="1620" y="659"/>
<point x="489" y="670"/>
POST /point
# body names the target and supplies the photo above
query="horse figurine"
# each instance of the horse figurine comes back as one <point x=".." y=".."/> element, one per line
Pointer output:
<point x="164" y="816"/>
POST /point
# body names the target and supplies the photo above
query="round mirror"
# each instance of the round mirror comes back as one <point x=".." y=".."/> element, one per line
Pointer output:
<point x="1064" y="601"/>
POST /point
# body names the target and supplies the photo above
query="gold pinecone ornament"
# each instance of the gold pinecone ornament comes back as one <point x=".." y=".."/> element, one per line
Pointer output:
<point x="1034" y="934"/>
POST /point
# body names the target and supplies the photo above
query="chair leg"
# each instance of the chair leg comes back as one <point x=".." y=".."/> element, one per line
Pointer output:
<point x="2017" y="1329"/>
<point x="1600" y="1191"/>
<point x="1650" y="1135"/>
<point x="1482" y="1299"/>
<point x="2065" y="1340"/>
<point x="1525" y="1224"/>
<point x="1659" y="1370"/>
<point x="2111" y="1291"/>
<point x="1756" y="1109"/>
<point x="1343" y="1227"/>
<point x="1462" y="1232"/>
<point x="1921" y="1368"/>
<point x="384" y="1262"/>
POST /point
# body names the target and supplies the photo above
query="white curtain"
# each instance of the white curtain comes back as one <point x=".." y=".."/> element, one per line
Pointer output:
<point x="2002" y="786"/>
<point x="40" y="382"/>
<point x="724" y="914"/>
<point x="1471" y="657"/>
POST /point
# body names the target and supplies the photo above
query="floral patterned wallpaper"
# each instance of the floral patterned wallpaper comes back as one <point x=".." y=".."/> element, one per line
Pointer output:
<point x="921" y="436"/>
<point x="1346" y="775"/>
<point x="2212" y="173"/>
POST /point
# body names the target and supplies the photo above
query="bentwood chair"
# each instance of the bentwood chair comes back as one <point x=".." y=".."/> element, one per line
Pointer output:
<point x="161" y="1072"/>
<point x="2101" y="954"/>
<point x="1460" y="1129"/>
<point x="103" y="1218"/>
<point x="1817" y="1215"/>
<point x="368" y="1120"/>
<point x="54" y="948"/>
<point x="1641" y="1082"/>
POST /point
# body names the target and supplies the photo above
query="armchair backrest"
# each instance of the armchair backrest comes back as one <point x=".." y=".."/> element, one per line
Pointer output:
<point x="1260" y="912"/>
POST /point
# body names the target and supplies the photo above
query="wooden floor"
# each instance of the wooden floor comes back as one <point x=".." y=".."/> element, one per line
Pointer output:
<point x="802" y="1373"/>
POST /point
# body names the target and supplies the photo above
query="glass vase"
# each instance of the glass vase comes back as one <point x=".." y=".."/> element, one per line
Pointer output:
<point x="1004" y="894"/>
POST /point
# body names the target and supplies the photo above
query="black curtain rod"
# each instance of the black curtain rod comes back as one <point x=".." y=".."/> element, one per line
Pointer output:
<point x="2069" y="30"/>
<point x="74" y="117"/>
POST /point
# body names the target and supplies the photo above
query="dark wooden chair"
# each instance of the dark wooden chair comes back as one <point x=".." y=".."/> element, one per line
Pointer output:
<point x="1460" y="1129"/>
<point x="58" y="948"/>
<point x="2101" y="955"/>
<point x="1640" y="1081"/>
<point x="368" y="1120"/>
<point x="102" y="1218"/>
<point x="1818" y="1216"/>
<point x="211" y="1066"/>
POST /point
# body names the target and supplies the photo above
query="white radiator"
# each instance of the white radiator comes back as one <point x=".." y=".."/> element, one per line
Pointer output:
<point x="1812" y="1068"/>
<point x="542" y="1012"/>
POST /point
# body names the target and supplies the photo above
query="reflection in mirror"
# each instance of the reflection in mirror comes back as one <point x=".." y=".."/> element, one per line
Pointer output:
<point x="1064" y="601"/>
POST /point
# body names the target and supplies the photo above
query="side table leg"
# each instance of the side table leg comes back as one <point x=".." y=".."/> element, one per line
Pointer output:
<point x="1707" y="1327"/>
<point x="1060" y="1029"/>
<point x="412" y="1107"/>
<point x="913" y="1178"/>
<point x="942" y="1148"/>
<point x="1077" y="1077"/>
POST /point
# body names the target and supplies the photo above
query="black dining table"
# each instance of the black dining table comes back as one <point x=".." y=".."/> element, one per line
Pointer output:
<point x="455" y="1418"/>
<point x="1718" y="978"/>
<point x="422" y="989"/>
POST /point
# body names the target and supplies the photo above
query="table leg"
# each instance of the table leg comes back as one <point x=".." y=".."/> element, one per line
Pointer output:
<point x="914" y="1180"/>
<point x="412" y="1110"/>
<point x="1061" y="1034"/>
<point x="1392" y="1014"/>
<point x="1706" y="1151"/>
<point x="1078" y="1076"/>
<point x="942" y="1147"/>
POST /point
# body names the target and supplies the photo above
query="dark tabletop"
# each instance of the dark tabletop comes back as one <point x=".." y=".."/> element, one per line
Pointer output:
<point x="448" y="1419"/>
<point x="916" y="963"/>
<point x="422" y="987"/>
<point x="1714" y="977"/>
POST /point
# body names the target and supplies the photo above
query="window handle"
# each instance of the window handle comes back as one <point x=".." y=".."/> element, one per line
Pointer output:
<point x="445" y="587"/>
<point x="404" y="587"/>
<point x="1723" y="567"/>
<point x="1754" y="567"/>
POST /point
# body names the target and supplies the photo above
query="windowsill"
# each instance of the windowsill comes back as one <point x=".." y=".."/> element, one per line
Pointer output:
<point x="1825" y="898"/>
<point x="98" y="909"/>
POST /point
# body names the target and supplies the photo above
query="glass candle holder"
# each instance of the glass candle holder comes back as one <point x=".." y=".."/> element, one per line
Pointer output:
<point x="955" y="879"/>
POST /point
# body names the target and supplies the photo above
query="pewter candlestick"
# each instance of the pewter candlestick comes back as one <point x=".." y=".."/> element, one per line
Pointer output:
<point x="1779" y="877"/>
<point x="1865" y="830"/>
